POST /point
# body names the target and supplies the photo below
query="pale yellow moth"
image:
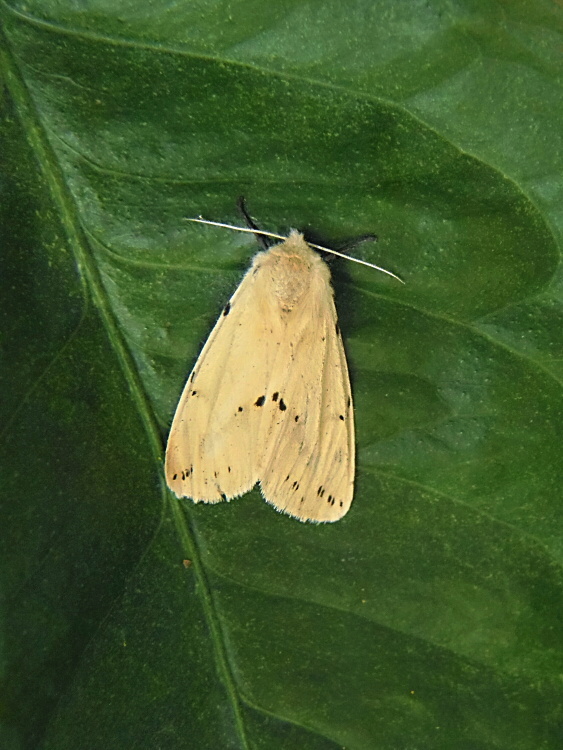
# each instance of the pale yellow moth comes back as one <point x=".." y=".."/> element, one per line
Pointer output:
<point x="269" y="397"/>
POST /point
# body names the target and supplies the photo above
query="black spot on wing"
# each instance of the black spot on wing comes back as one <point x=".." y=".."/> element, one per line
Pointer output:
<point x="283" y="406"/>
<point x="260" y="401"/>
<point x="275" y="396"/>
<point x="186" y="472"/>
<point x="227" y="309"/>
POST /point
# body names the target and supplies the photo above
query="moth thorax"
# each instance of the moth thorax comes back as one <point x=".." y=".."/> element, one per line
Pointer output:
<point x="291" y="279"/>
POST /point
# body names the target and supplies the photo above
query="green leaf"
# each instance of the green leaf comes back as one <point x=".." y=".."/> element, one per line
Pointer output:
<point x="430" y="616"/>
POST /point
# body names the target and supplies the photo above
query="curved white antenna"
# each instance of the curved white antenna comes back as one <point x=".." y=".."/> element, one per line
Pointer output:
<point x="281" y="237"/>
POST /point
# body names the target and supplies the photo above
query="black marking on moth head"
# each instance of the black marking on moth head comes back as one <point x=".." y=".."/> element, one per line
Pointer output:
<point x="297" y="417"/>
<point x="283" y="407"/>
<point x="275" y="396"/>
<point x="342" y="417"/>
<point x="260" y="401"/>
<point x="227" y="309"/>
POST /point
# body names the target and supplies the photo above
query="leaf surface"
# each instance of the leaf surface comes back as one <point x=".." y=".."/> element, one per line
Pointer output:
<point x="430" y="616"/>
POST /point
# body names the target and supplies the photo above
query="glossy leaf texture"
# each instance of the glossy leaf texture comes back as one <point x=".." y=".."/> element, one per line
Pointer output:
<point x="430" y="616"/>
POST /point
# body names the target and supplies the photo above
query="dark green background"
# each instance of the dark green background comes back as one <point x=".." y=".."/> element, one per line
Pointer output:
<point x="430" y="617"/>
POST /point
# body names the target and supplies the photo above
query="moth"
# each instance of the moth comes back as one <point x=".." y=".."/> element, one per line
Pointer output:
<point x="269" y="399"/>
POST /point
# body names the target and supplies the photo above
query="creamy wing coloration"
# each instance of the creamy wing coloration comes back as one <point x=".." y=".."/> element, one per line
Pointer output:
<point x="269" y="397"/>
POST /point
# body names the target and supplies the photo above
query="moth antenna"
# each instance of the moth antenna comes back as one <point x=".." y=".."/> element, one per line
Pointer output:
<point x="250" y="223"/>
<point x="262" y="232"/>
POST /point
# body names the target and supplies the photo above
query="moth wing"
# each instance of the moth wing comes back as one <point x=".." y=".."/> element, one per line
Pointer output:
<point x="214" y="451"/>
<point x="310" y="463"/>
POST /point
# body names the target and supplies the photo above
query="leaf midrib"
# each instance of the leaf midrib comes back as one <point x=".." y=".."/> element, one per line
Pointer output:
<point x="90" y="279"/>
